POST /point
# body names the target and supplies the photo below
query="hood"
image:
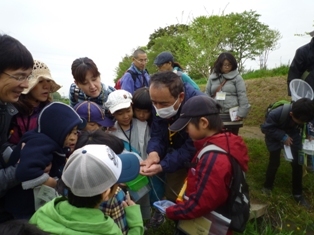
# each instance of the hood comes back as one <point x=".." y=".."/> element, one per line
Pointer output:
<point x="56" y="120"/>
<point x="237" y="147"/>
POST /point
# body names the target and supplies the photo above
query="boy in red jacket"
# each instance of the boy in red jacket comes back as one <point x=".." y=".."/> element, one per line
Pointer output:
<point x="209" y="177"/>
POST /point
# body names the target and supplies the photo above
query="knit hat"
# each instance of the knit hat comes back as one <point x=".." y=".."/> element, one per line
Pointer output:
<point x="196" y="106"/>
<point x="93" y="169"/>
<point x="163" y="57"/>
<point x="118" y="99"/>
<point x="93" y="113"/>
<point x="57" y="120"/>
<point x="40" y="70"/>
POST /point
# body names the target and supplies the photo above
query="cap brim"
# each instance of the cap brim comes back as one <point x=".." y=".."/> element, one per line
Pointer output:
<point x="179" y="124"/>
<point x="82" y="124"/>
<point x="107" y="122"/>
<point x="130" y="167"/>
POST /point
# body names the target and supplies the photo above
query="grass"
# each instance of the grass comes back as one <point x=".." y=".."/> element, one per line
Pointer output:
<point x="283" y="216"/>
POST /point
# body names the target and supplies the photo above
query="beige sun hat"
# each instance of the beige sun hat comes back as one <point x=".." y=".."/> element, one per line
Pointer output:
<point x="40" y="70"/>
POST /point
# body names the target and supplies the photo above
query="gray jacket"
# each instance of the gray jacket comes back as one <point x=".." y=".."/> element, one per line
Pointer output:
<point x="235" y="91"/>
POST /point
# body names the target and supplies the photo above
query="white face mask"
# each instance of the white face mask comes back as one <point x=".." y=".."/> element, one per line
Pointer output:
<point x="168" y="111"/>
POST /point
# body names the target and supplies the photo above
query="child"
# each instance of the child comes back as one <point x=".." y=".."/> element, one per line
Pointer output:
<point x="207" y="187"/>
<point x="50" y="143"/>
<point x="133" y="132"/>
<point x="91" y="174"/>
<point x="33" y="100"/>
<point x="94" y="116"/>
<point x="142" y="105"/>
<point x="113" y="207"/>
<point x="288" y="133"/>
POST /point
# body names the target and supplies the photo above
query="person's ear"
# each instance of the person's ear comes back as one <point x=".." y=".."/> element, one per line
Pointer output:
<point x="181" y="97"/>
<point x="203" y="123"/>
<point x="105" y="195"/>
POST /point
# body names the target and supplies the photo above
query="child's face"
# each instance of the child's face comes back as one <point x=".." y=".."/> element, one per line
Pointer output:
<point x="297" y="121"/>
<point x="124" y="116"/>
<point x="71" y="139"/>
<point x="92" y="126"/>
<point x="142" y="114"/>
<point x="198" y="133"/>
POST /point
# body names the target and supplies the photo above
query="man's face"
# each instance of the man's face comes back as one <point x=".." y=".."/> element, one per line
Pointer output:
<point x="91" y="86"/>
<point x="140" y="61"/>
<point x="162" y="98"/>
<point x="11" y="88"/>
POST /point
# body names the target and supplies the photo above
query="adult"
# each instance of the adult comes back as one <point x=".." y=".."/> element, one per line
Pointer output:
<point x="165" y="62"/>
<point x="302" y="65"/>
<point x="87" y="84"/>
<point x="138" y="67"/>
<point x="32" y="101"/>
<point x="16" y="64"/>
<point x="168" y="151"/>
<point x="226" y="85"/>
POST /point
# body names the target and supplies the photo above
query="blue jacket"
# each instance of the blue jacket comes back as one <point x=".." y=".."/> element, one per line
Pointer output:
<point x="173" y="156"/>
<point x="275" y="132"/>
<point x="127" y="82"/>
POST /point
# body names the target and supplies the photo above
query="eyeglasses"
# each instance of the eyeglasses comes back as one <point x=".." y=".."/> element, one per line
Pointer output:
<point x="20" y="78"/>
<point x="142" y="61"/>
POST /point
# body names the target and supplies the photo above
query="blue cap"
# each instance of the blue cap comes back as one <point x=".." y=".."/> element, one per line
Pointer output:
<point x="163" y="57"/>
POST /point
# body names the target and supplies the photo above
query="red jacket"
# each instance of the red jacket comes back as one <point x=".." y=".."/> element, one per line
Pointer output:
<point x="208" y="189"/>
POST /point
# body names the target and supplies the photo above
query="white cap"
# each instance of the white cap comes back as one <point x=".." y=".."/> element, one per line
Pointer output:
<point x="119" y="99"/>
<point x="93" y="169"/>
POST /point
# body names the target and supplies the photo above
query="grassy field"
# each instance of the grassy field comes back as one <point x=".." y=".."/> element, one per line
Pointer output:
<point x="283" y="215"/>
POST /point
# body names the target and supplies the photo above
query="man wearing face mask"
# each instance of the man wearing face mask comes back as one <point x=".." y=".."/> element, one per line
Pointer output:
<point x="169" y="152"/>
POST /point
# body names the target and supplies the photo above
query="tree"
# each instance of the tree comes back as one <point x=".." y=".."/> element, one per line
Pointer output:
<point x="56" y="96"/>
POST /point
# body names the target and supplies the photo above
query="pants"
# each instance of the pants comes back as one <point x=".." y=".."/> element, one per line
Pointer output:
<point x="273" y="165"/>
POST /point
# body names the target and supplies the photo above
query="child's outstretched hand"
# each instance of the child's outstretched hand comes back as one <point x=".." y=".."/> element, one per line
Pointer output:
<point x="128" y="201"/>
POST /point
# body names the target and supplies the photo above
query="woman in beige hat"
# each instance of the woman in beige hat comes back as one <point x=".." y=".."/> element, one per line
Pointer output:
<point x="32" y="101"/>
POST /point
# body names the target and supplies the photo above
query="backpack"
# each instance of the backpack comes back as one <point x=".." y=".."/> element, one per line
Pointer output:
<point x="237" y="208"/>
<point x="117" y="85"/>
<point x="285" y="109"/>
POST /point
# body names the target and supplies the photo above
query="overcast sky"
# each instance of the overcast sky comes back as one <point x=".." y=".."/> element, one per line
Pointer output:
<point x="59" y="31"/>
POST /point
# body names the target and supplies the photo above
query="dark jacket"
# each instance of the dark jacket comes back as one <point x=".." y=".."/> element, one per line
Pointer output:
<point x="43" y="145"/>
<point x="302" y="61"/>
<point x="275" y="131"/>
<point x="173" y="156"/>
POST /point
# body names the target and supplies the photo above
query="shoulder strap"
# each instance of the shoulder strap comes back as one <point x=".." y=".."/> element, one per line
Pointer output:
<point x="284" y="112"/>
<point x="133" y="74"/>
<point x="210" y="147"/>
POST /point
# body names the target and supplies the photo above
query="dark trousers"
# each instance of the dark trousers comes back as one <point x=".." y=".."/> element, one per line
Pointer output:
<point x="273" y="165"/>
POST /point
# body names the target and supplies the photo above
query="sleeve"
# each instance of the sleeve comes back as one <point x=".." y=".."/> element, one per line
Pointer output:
<point x="208" y="88"/>
<point x="72" y="98"/>
<point x="8" y="180"/>
<point x="127" y="83"/>
<point x="297" y="67"/>
<point x="271" y="125"/>
<point x="244" y="106"/>
<point x="134" y="220"/>
<point x="34" y="158"/>
<point x="213" y="175"/>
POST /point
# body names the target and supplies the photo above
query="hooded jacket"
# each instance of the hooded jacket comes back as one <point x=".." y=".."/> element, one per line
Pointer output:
<point x="235" y="91"/>
<point x="43" y="145"/>
<point x="173" y="156"/>
<point x="208" y="189"/>
<point x="60" y="217"/>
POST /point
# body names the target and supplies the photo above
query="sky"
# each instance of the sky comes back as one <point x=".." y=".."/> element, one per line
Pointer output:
<point x="57" y="32"/>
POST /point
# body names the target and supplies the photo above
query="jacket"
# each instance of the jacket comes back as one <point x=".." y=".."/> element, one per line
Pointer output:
<point x="275" y="131"/>
<point x="76" y="95"/>
<point x="208" y="189"/>
<point x="302" y="65"/>
<point x="7" y="172"/>
<point x="176" y="155"/>
<point x="61" y="218"/>
<point x="185" y="78"/>
<point x="142" y="80"/>
<point x="235" y="91"/>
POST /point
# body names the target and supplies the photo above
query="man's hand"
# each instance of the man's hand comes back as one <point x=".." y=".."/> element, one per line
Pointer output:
<point x="152" y="170"/>
<point x="288" y="141"/>
<point x="152" y="158"/>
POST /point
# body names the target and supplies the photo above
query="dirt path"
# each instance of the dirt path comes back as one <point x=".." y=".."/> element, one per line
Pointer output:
<point x="251" y="132"/>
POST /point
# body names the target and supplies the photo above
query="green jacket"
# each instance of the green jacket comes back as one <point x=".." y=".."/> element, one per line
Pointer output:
<point x="185" y="78"/>
<point x="59" y="217"/>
